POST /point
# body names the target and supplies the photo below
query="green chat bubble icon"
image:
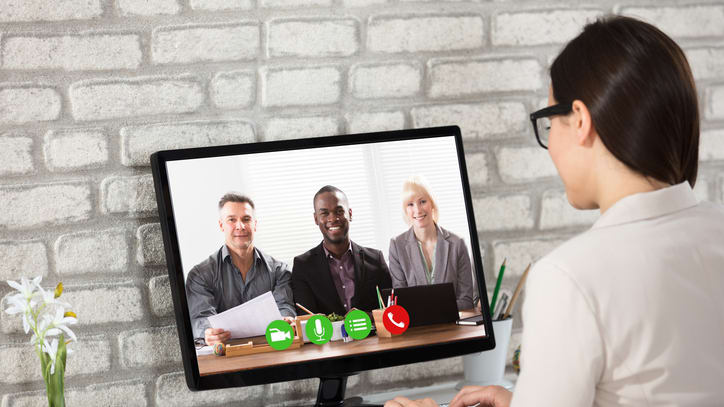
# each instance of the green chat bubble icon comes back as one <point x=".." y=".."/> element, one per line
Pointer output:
<point x="357" y="324"/>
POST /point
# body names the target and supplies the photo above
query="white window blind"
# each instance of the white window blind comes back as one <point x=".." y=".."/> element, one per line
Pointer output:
<point x="283" y="184"/>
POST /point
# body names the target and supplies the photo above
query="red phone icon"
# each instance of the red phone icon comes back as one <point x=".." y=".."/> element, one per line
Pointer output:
<point x="396" y="319"/>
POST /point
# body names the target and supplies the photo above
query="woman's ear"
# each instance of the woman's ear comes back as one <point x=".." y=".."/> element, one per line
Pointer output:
<point x="582" y="124"/>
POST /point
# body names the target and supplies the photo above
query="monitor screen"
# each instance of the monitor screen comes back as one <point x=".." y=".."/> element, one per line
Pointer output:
<point x="262" y="234"/>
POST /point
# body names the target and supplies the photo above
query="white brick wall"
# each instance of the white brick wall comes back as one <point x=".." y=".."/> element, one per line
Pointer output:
<point x="75" y="149"/>
<point x="26" y="104"/>
<point x="233" y="90"/>
<point x="37" y="10"/>
<point x="711" y="145"/>
<point x="556" y="212"/>
<point x="300" y="127"/>
<point x="477" y="166"/>
<point x="363" y="122"/>
<point x="215" y="5"/>
<point x="312" y="38"/>
<point x="682" y="22"/>
<point x="93" y="356"/>
<point x="524" y="164"/>
<point x="476" y="121"/>
<point x="38" y="205"/>
<point x="89" y="89"/>
<point x="159" y="292"/>
<point x="716" y="103"/>
<point x="171" y="391"/>
<point x="16" y="155"/>
<point x="22" y="259"/>
<point x="139" y="142"/>
<point x="706" y="63"/>
<point x="507" y="212"/>
<point x="205" y="43"/>
<point x="397" y="80"/>
<point x="98" y="100"/>
<point x="541" y="27"/>
<point x="133" y="195"/>
<point x="114" y="394"/>
<point x="293" y="3"/>
<point x="393" y="34"/>
<point x="148" y="8"/>
<point x="301" y="86"/>
<point x="99" y="251"/>
<point x="150" y="245"/>
<point x="464" y="77"/>
<point x="72" y="52"/>
<point x="105" y="304"/>
<point x="520" y="253"/>
<point x="139" y="348"/>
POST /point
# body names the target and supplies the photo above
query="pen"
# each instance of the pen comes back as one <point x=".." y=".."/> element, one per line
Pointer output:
<point x="497" y="287"/>
<point x="303" y="308"/>
<point x="509" y="310"/>
<point x="500" y="307"/>
<point x="379" y="297"/>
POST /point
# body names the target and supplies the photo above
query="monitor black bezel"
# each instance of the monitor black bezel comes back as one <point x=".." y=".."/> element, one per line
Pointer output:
<point x="341" y="366"/>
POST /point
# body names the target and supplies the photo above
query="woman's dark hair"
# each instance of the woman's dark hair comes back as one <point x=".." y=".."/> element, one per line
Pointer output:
<point x="638" y="86"/>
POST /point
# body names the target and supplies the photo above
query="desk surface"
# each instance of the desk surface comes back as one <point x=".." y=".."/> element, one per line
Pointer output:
<point x="416" y="336"/>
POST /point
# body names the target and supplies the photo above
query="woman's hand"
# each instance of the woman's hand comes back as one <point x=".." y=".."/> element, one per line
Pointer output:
<point x="485" y="396"/>
<point x="405" y="402"/>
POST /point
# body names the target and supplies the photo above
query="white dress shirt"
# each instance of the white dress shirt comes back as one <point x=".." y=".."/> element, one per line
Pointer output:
<point x="631" y="312"/>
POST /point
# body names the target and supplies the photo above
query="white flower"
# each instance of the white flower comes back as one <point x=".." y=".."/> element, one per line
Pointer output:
<point x="25" y="286"/>
<point x="58" y="323"/>
<point x="18" y="304"/>
<point x="48" y="298"/>
<point x="52" y="351"/>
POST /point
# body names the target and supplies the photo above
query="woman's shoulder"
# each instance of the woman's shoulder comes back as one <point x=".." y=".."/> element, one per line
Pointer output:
<point x="403" y="237"/>
<point x="450" y="236"/>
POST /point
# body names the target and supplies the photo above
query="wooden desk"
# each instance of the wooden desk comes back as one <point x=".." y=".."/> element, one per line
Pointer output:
<point x="416" y="336"/>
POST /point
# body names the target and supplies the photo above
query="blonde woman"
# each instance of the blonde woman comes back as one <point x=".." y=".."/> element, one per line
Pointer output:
<point x="426" y="253"/>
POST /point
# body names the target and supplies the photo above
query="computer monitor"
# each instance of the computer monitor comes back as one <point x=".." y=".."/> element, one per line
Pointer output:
<point x="282" y="177"/>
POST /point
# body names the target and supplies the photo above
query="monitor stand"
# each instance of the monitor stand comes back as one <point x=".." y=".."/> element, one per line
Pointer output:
<point x="331" y="393"/>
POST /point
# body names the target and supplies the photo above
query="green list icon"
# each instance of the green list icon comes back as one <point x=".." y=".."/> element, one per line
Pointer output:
<point x="279" y="334"/>
<point x="319" y="330"/>
<point x="357" y="324"/>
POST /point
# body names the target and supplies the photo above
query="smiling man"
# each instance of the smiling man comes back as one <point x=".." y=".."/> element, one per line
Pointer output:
<point x="236" y="273"/>
<point x="337" y="275"/>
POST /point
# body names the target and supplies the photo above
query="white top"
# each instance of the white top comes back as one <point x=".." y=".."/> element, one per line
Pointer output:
<point x="631" y="312"/>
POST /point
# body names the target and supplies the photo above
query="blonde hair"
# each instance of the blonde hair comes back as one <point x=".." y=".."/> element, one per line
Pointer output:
<point x="417" y="185"/>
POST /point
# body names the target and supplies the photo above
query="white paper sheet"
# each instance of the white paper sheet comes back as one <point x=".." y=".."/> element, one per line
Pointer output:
<point x="248" y="319"/>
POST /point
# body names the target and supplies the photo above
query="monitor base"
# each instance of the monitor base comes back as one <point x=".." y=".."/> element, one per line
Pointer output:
<point x="331" y="394"/>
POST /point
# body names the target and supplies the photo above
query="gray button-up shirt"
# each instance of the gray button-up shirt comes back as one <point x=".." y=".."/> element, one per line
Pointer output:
<point x="215" y="285"/>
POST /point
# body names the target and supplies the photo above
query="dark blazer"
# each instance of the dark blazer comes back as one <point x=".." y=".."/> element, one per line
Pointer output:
<point x="452" y="264"/>
<point x="313" y="287"/>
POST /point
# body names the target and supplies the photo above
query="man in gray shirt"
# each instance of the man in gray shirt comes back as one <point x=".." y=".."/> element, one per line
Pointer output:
<point x="236" y="273"/>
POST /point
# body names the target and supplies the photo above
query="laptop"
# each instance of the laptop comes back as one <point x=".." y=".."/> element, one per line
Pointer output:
<point x="427" y="304"/>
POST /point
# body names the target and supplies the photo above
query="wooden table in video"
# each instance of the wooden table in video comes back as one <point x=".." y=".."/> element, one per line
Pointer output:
<point x="415" y="336"/>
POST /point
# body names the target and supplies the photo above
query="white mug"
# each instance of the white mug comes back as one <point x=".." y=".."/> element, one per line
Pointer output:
<point x="488" y="368"/>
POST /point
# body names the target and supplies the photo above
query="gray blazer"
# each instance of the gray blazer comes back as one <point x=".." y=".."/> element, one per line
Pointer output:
<point x="452" y="264"/>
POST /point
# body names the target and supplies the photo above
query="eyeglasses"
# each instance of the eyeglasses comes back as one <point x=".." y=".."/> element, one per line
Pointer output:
<point x="542" y="122"/>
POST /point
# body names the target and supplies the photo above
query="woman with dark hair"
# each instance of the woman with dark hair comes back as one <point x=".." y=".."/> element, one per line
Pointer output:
<point x="631" y="312"/>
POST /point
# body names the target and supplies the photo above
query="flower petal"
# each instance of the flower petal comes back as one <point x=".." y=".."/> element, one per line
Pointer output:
<point x="15" y="285"/>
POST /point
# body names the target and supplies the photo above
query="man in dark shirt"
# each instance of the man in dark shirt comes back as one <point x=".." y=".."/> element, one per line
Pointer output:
<point x="337" y="275"/>
<point x="236" y="273"/>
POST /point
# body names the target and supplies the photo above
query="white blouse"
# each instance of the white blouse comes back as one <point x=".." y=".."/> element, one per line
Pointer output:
<point x="631" y="312"/>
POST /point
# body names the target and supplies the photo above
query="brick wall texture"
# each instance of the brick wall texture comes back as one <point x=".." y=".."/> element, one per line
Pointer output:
<point x="89" y="88"/>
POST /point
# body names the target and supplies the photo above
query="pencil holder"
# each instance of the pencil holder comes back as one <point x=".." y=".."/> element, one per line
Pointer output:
<point x="379" y="325"/>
